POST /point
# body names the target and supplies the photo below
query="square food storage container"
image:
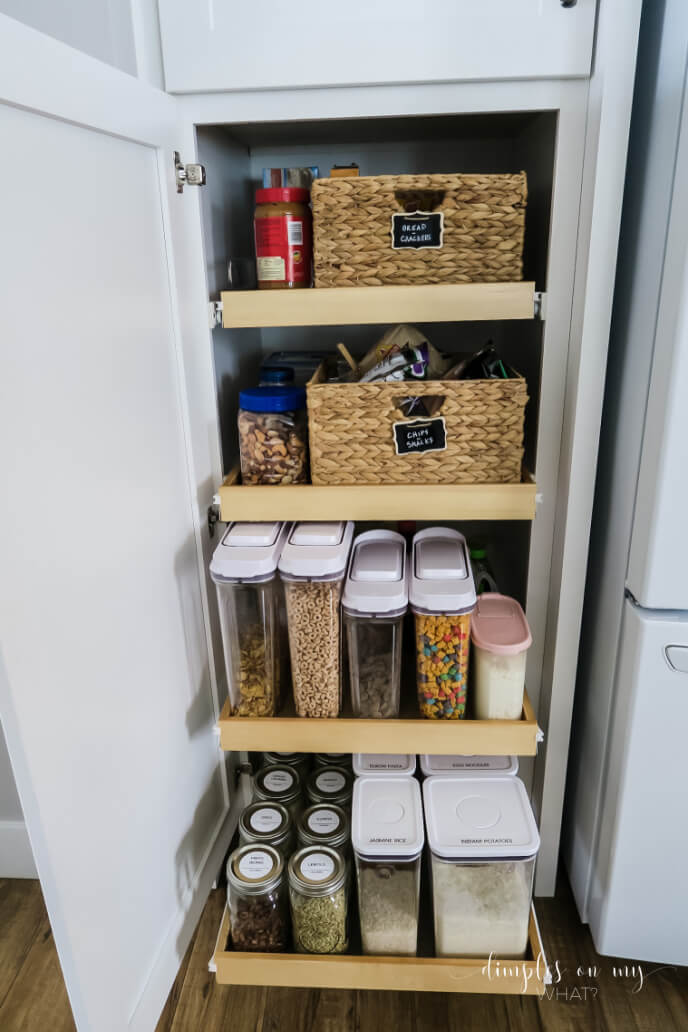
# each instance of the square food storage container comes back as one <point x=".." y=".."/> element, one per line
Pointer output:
<point x="483" y="843"/>
<point x="390" y="764"/>
<point x="501" y="639"/>
<point x="374" y="603"/>
<point x="387" y="837"/>
<point x="312" y="567"/>
<point x="469" y="766"/>
<point x="442" y="597"/>
<point x="252" y="616"/>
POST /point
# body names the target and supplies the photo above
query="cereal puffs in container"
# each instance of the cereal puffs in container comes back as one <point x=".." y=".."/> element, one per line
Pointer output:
<point x="442" y="598"/>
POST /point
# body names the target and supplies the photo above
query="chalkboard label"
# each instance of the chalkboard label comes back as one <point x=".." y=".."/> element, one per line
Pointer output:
<point x="420" y="435"/>
<point x="417" y="229"/>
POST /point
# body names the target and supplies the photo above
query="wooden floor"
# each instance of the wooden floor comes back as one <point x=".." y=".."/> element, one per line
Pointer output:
<point x="33" y="997"/>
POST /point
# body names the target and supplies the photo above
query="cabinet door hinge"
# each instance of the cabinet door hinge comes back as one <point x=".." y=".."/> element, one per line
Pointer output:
<point x="187" y="175"/>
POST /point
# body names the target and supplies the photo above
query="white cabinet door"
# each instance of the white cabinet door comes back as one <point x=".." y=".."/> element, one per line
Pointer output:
<point x="105" y="675"/>
<point x="232" y="46"/>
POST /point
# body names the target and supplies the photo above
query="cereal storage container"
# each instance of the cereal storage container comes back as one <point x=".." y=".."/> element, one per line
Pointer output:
<point x="501" y="638"/>
<point x="319" y="898"/>
<point x="250" y="598"/>
<point x="374" y="602"/>
<point x="462" y="766"/>
<point x="300" y="761"/>
<point x="387" y="836"/>
<point x="273" y="435"/>
<point x="330" y="785"/>
<point x="332" y="759"/>
<point x="483" y="844"/>
<point x="312" y="567"/>
<point x="384" y="763"/>
<point x="257" y="900"/>
<point x="267" y="824"/>
<point x="279" y="783"/>
<point x="442" y="597"/>
<point x="324" y="824"/>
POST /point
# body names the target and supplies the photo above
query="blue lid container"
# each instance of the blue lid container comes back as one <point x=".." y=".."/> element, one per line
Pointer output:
<point x="272" y="399"/>
<point x="276" y="376"/>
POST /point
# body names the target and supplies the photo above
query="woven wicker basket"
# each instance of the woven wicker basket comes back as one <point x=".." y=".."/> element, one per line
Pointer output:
<point x="484" y="222"/>
<point x="351" y="434"/>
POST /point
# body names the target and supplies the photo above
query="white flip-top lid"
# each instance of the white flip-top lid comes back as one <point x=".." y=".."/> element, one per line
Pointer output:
<point x="387" y="817"/>
<point x="248" y="551"/>
<point x="317" y="551"/>
<point x="441" y="577"/>
<point x="384" y="763"/>
<point x="465" y="766"/>
<point x="490" y="818"/>
<point x="377" y="581"/>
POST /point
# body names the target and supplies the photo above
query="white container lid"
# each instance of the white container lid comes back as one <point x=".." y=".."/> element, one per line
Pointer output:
<point x="463" y="766"/>
<point x="499" y="625"/>
<point x="317" y="551"/>
<point x="248" y="551"/>
<point x="377" y="582"/>
<point x="384" y="763"/>
<point x="441" y="576"/>
<point x="489" y="818"/>
<point x="387" y="817"/>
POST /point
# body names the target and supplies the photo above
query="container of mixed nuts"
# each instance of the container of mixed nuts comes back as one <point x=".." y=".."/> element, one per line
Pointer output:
<point x="319" y="899"/>
<point x="374" y="603"/>
<point x="267" y="824"/>
<point x="273" y="435"/>
<point x="312" y="567"/>
<point x="279" y="783"/>
<point x="250" y="599"/>
<point x="257" y="900"/>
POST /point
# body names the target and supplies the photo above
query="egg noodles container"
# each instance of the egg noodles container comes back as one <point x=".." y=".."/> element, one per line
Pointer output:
<point x="442" y="597"/>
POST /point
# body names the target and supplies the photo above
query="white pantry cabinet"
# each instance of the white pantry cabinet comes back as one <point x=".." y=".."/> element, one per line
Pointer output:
<point x="117" y="403"/>
<point x="219" y="45"/>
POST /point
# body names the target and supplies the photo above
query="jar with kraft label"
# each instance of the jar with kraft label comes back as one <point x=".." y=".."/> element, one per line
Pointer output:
<point x="283" y="232"/>
<point x="257" y="900"/>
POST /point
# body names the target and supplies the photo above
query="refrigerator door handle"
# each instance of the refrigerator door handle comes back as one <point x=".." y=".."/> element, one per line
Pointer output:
<point x="677" y="657"/>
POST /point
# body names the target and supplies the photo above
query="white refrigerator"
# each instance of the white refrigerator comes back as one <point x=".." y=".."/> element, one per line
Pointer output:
<point x="625" y="839"/>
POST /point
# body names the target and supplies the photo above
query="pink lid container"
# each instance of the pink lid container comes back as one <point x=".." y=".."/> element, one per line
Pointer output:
<point x="499" y="625"/>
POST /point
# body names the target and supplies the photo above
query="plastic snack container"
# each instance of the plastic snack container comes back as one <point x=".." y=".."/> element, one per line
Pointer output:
<point x="483" y="843"/>
<point x="387" y="836"/>
<point x="388" y="764"/>
<point x="312" y="567"/>
<point x="273" y="435"/>
<point x="469" y="766"/>
<point x="374" y="603"/>
<point x="251" y="603"/>
<point x="442" y="598"/>
<point x="501" y="638"/>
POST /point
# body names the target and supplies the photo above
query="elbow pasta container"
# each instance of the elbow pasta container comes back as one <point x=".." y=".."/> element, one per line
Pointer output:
<point x="312" y="567"/>
<point x="442" y="597"/>
<point x="501" y="639"/>
<point x="251" y="603"/>
<point x="374" y="603"/>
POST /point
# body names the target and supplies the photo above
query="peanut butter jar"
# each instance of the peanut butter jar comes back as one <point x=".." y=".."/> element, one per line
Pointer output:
<point x="284" y="240"/>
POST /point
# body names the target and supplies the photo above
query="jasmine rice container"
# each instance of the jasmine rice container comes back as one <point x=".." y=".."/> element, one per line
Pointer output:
<point x="483" y="844"/>
<point x="387" y="836"/>
<point x="374" y="603"/>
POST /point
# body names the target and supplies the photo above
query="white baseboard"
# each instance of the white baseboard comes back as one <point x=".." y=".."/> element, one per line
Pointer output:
<point x="16" y="857"/>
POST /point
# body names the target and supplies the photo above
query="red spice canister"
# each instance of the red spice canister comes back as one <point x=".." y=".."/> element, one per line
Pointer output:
<point x="284" y="242"/>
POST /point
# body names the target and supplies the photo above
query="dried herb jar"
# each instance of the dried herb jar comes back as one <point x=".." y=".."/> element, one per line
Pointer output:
<point x="279" y="783"/>
<point x="330" y="785"/>
<point x="273" y="435"/>
<point x="257" y="900"/>
<point x="267" y="824"/>
<point x="298" y="760"/>
<point x="319" y="900"/>
<point x="324" y="824"/>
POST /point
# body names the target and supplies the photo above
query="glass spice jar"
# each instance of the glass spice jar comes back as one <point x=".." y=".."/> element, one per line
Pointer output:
<point x="284" y="239"/>
<point x="300" y="761"/>
<point x="330" y="785"/>
<point x="267" y="824"/>
<point x="279" y="783"/>
<point x="324" y="824"/>
<point x="319" y="899"/>
<point x="257" y="900"/>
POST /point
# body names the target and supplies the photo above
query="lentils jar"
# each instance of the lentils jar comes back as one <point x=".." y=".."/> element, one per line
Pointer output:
<point x="279" y="783"/>
<point x="442" y="598"/>
<point x="312" y="567"/>
<point x="267" y="824"/>
<point x="250" y="598"/>
<point x="387" y="835"/>
<point x="319" y="899"/>
<point x="273" y="435"/>
<point x="330" y="785"/>
<point x="483" y="844"/>
<point x="374" y="603"/>
<point x="257" y="900"/>
<point x="324" y="824"/>
<point x="284" y="239"/>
